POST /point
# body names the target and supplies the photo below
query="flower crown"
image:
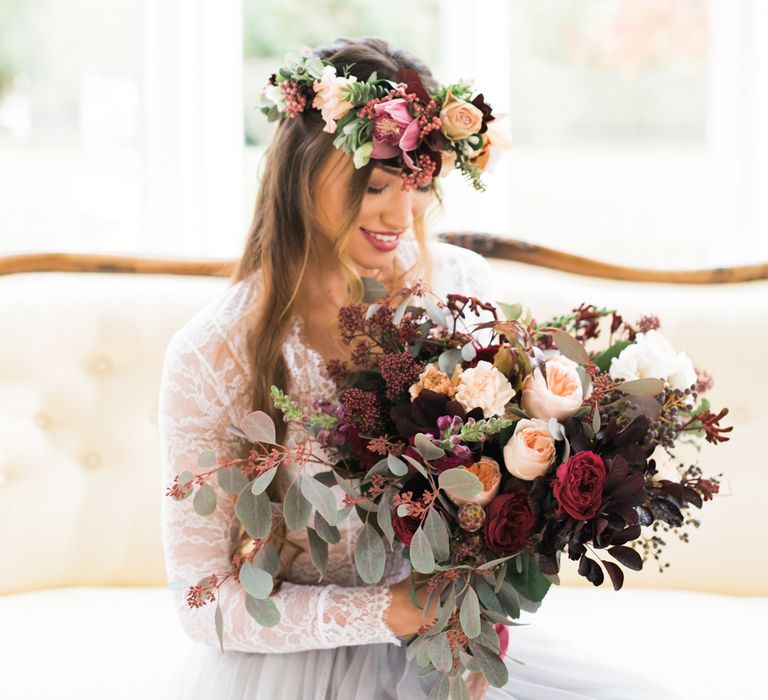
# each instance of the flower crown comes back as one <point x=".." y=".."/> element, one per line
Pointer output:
<point x="400" y="122"/>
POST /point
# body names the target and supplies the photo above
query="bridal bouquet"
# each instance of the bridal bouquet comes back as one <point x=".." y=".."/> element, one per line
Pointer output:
<point x="485" y="461"/>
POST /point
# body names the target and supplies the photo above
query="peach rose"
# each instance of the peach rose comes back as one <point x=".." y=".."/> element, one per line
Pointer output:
<point x="531" y="449"/>
<point x="436" y="380"/>
<point x="559" y="396"/>
<point x="488" y="471"/>
<point x="459" y="118"/>
<point x="328" y="97"/>
<point x="484" y="386"/>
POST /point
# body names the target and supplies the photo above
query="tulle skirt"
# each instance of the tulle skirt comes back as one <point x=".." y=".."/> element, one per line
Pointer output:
<point x="381" y="672"/>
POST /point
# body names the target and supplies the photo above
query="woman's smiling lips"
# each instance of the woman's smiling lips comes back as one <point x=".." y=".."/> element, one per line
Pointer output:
<point x="382" y="240"/>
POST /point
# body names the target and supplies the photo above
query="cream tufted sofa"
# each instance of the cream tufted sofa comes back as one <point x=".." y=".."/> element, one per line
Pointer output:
<point x="83" y="607"/>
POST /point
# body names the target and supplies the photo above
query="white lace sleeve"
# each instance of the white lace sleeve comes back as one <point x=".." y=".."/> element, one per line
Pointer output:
<point x="201" y="378"/>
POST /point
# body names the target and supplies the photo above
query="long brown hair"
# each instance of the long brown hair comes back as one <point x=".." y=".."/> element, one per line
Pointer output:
<point x="283" y="236"/>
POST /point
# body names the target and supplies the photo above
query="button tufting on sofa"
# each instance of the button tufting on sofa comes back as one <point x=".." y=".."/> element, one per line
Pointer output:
<point x="42" y="420"/>
<point x="91" y="459"/>
<point x="101" y="365"/>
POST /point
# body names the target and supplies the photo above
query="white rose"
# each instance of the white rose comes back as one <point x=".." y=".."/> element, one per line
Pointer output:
<point x="651" y="355"/>
<point x="484" y="386"/>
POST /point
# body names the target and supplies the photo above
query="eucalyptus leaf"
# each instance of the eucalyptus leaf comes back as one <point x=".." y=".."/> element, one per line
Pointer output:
<point x="372" y="309"/>
<point x="648" y="386"/>
<point x="426" y="448"/>
<point x="491" y="666"/>
<point x="186" y="480"/>
<point x="330" y="533"/>
<point x="268" y="559"/>
<point x="318" y="551"/>
<point x="570" y="347"/>
<point x="259" y="427"/>
<point x="487" y="595"/>
<point x="437" y="534"/>
<point x="256" y="581"/>
<point x="440" y="652"/>
<point x="459" y="690"/>
<point x="263" y="480"/>
<point x="296" y="508"/>
<point x="441" y="689"/>
<point x="384" y="517"/>
<point x="509" y="599"/>
<point x="206" y="459"/>
<point x="434" y="312"/>
<point x="321" y="497"/>
<point x="418" y="466"/>
<point x="264" y="611"/>
<point x="400" y="311"/>
<point x="254" y="512"/>
<point x="231" y="479"/>
<point x="448" y="359"/>
<point x="396" y="465"/>
<point x="204" y="501"/>
<point x="468" y="352"/>
<point x="370" y="556"/>
<point x="219" y="623"/>
<point x="460" y="483"/>
<point x="373" y="290"/>
<point x="469" y="614"/>
<point x="420" y="552"/>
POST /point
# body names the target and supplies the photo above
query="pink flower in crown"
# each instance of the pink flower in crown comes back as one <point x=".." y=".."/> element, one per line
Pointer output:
<point x="395" y="131"/>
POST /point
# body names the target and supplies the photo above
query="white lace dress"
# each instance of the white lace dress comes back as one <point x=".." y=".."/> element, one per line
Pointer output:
<point x="332" y="641"/>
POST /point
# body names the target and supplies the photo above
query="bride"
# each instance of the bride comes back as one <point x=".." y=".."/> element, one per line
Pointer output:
<point x="323" y="219"/>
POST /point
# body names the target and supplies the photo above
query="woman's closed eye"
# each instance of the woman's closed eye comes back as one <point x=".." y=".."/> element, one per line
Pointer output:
<point x="379" y="190"/>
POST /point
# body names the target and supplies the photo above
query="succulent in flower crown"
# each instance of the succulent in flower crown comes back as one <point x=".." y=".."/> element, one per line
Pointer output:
<point x="399" y="123"/>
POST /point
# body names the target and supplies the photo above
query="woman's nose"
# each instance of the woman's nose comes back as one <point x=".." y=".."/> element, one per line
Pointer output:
<point x="398" y="215"/>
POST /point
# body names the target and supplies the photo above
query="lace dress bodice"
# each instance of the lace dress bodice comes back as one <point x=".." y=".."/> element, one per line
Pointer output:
<point x="205" y="387"/>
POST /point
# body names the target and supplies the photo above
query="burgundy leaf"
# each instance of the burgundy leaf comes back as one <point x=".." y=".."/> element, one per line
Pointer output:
<point x="616" y="574"/>
<point x="627" y="556"/>
<point x="631" y="533"/>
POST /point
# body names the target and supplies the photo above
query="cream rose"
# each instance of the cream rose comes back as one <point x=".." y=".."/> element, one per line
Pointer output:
<point x="459" y="118"/>
<point x="559" y="396"/>
<point x="489" y="472"/>
<point x="328" y="97"/>
<point x="436" y="380"/>
<point x="531" y="449"/>
<point x="484" y="386"/>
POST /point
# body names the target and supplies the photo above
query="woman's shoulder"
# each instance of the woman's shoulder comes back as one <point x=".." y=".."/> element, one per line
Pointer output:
<point x="216" y="326"/>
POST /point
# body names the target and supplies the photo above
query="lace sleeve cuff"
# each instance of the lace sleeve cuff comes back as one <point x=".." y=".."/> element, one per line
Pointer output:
<point x="349" y="616"/>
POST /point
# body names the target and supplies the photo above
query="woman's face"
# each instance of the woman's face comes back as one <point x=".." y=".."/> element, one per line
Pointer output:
<point x="386" y="212"/>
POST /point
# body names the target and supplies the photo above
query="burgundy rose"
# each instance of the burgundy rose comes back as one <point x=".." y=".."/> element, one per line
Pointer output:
<point x="404" y="527"/>
<point x="508" y="522"/>
<point x="578" y="486"/>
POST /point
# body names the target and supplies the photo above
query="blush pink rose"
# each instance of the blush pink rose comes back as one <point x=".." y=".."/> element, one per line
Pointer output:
<point x="531" y="450"/>
<point x="560" y="396"/>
